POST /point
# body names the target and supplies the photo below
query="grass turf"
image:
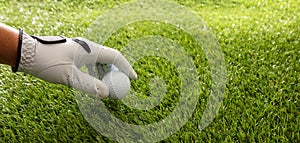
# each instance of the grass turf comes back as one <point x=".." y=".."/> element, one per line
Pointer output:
<point x="261" y="43"/>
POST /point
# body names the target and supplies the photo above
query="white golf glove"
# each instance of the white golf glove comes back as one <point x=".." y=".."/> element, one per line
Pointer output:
<point x="58" y="60"/>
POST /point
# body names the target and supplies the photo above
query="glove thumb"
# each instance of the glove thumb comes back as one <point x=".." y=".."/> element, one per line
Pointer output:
<point x="88" y="84"/>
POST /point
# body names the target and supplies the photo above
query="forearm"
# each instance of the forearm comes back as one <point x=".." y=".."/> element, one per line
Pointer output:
<point x="9" y="38"/>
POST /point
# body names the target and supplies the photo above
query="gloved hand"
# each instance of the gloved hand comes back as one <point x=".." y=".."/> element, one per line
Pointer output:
<point x="58" y="60"/>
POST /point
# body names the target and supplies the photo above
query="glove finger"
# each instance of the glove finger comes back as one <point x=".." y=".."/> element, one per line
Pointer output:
<point x="88" y="84"/>
<point x="104" y="55"/>
<point x="91" y="70"/>
<point x="101" y="71"/>
<point x="112" y="56"/>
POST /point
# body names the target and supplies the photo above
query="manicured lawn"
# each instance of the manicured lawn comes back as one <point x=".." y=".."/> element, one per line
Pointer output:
<point x="261" y="44"/>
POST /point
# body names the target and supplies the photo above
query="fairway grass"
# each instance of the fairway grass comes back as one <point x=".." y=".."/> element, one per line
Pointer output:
<point x="261" y="44"/>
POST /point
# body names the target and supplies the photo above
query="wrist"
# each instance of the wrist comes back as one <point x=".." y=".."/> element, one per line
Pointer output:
<point x="8" y="44"/>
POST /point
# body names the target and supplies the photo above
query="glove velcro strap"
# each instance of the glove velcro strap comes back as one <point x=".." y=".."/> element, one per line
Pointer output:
<point x="50" y="39"/>
<point x="15" y="68"/>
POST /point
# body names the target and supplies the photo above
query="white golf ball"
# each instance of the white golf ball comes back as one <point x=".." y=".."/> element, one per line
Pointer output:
<point x="118" y="84"/>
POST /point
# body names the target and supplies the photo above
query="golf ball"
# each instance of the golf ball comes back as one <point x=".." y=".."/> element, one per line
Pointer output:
<point x="118" y="84"/>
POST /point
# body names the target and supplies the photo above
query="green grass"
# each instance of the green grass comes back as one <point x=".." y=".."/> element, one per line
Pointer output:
<point x="261" y="43"/>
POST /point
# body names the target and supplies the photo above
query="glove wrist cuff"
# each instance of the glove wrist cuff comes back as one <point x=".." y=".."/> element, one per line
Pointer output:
<point x="26" y="53"/>
<point x="16" y="67"/>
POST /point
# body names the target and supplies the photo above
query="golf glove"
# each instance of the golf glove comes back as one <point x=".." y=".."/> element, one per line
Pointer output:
<point x="57" y="59"/>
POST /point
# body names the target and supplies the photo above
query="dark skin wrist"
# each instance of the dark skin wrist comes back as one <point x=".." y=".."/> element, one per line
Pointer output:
<point x="9" y="38"/>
